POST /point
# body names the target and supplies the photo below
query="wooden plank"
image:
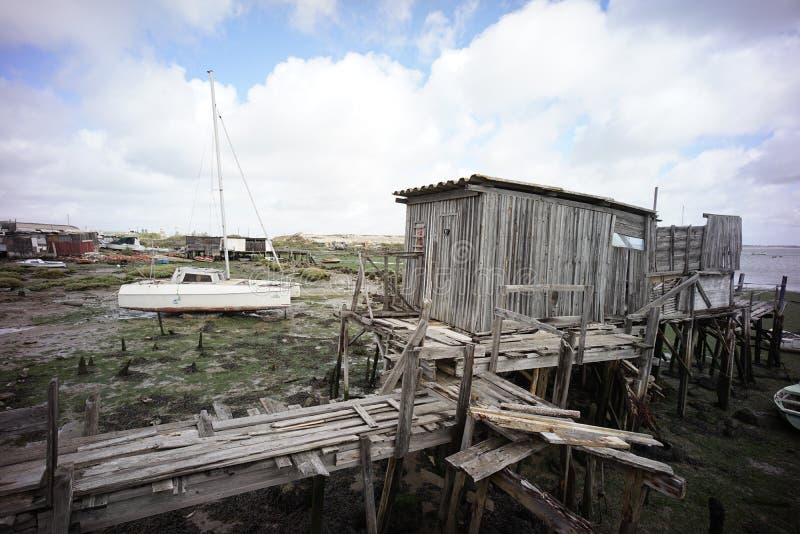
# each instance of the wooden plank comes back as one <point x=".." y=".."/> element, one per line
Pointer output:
<point x="366" y="478"/>
<point x="541" y="504"/>
<point x="540" y="410"/>
<point x="394" y="470"/>
<point x="669" y="294"/>
<point x="497" y="327"/>
<point x="490" y="462"/>
<point x="365" y="416"/>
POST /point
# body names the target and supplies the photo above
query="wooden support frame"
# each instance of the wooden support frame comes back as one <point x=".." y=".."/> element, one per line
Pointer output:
<point x="366" y="478"/>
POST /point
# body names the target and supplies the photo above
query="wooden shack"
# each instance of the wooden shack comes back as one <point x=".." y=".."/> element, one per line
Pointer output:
<point x="474" y="235"/>
<point x="477" y="234"/>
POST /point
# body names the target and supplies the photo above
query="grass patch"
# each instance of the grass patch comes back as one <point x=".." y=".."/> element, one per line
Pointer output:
<point x="93" y="282"/>
<point x="313" y="274"/>
<point x="49" y="274"/>
<point x="11" y="283"/>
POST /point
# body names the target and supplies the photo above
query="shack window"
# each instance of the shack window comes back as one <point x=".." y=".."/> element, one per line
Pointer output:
<point x="197" y="278"/>
<point x="419" y="237"/>
<point x="626" y="241"/>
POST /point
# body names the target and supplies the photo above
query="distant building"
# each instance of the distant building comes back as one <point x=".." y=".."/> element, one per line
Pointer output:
<point x="35" y="240"/>
<point x="197" y="245"/>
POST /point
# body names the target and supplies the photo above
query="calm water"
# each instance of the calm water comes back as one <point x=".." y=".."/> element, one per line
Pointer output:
<point x="764" y="266"/>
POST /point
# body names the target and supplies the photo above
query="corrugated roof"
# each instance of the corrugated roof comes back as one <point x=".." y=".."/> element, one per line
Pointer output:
<point x="514" y="185"/>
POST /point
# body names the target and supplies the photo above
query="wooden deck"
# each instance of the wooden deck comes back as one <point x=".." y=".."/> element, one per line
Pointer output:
<point x="520" y="348"/>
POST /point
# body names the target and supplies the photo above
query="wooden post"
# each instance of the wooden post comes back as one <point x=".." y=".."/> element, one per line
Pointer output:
<point x="339" y="348"/>
<point x="726" y="368"/>
<point x="91" y="415"/>
<point x="317" y="503"/>
<point x="160" y="324"/>
<point x="346" y="363"/>
<point x="359" y="276"/>
<point x="747" y="353"/>
<point x="740" y="283"/>
<point x="386" y="303"/>
<point x="759" y="340"/>
<point x="777" y="326"/>
<point x="394" y="469"/>
<point x="452" y="493"/>
<point x="564" y="371"/>
<point x="366" y="477"/>
<point x="478" y="505"/>
<point x="406" y="405"/>
<point x="632" y="501"/>
<point x="497" y="327"/>
<point x="588" y="487"/>
<point x="205" y="428"/>
<point x="124" y="348"/>
<point x="646" y="359"/>
<point x="62" y="500"/>
<point x="464" y="392"/>
<point x="605" y="393"/>
<point x="51" y="462"/>
<point x="687" y="349"/>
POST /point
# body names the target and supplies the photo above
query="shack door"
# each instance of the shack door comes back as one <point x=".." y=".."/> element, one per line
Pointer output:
<point x="442" y="251"/>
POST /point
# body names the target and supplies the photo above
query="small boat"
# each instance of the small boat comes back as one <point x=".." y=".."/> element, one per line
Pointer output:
<point x="203" y="289"/>
<point x="331" y="260"/>
<point x="790" y="342"/>
<point x="207" y="259"/>
<point x="788" y="402"/>
<point x="125" y="243"/>
<point x="37" y="262"/>
<point x="196" y="289"/>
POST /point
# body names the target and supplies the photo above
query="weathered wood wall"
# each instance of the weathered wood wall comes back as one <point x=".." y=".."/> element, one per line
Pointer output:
<point x="678" y="248"/>
<point x="476" y="242"/>
<point x="722" y="245"/>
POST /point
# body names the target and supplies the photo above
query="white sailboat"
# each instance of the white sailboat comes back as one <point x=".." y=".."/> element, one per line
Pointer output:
<point x="203" y="289"/>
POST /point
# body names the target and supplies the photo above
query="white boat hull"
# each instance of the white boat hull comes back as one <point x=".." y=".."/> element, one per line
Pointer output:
<point x="229" y="295"/>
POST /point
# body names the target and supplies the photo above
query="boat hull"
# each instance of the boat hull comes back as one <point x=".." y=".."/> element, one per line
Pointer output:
<point x="788" y="402"/>
<point x="198" y="297"/>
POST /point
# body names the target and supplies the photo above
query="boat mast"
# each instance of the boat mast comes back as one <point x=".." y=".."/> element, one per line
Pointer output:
<point x="219" y="177"/>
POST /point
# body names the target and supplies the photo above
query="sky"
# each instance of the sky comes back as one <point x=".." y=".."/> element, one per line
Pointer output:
<point x="331" y="105"/>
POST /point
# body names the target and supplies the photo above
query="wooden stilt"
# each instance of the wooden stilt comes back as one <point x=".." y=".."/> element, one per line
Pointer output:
<point x="687" y="349"/>
<point x="759" y="340"/>
<point x="726" y="368"/>
<point x="588" y="487"/>
<point x="62" y="500"/>
<point x="564" y="371"/>
<point x="317" y="503"/>
<point x="632" y="501"/>
<point x="478" y="506"/>
<point x="394" y="469"/>
<point x="51" y="462"/>
<point x="160" y="324"/>
<point x="366" y="477"/>
<point x="346" y="364"/>
<point x="91" y="415"/>
<point x="605" y="391"/>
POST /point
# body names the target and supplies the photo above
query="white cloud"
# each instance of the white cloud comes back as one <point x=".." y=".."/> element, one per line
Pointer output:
<point x="561" y="93"/>
<point x="397" y="11"/>
<point x="307" y="14"/>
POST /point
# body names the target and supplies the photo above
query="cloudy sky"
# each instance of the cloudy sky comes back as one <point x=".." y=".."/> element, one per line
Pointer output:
<point x="332" y="104"/>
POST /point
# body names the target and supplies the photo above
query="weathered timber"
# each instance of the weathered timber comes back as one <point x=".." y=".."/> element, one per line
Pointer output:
<point x="91" y="414"/>
<point x="551" y="512"/>
<point x="366" y="478"/>
<point x="539" y="410"/>
<point x="414" y="341"/>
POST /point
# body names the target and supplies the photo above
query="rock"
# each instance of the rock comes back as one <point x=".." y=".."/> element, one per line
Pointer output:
<point x="73" y="429"/>
<point x="746" y="415"/>
<point x="730" y="428"/>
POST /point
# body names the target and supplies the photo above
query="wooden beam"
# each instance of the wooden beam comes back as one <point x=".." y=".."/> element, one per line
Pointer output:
<point x="646" y="359"/>
<point x="366" y="478"/>
<point x="409" y="388"/>
<point x="414" y="341"/>
<point x="464" y="393"/>
<point x="563" y="372"/>
<point x="317" y="503"/>
<point x="669" y="294"/>
<point x="552" y="513"/>
<point x="524" y="319"/>
<point x="540" y="410"/>
<point x="205" y="428"/>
